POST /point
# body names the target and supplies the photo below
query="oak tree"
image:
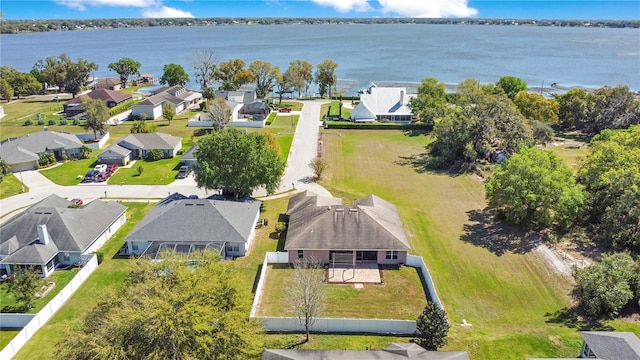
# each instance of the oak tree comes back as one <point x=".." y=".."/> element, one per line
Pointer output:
<point x="174" y="74"/>
<point x="125" y="67"/>
<point x="326" y="77"/>
<point x="96" y="114"/>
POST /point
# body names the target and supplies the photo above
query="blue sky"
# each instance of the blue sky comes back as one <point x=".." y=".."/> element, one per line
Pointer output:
<point x="536" y="9"/>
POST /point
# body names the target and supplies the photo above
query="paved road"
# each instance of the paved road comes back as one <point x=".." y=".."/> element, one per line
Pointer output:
<point x="297" y="173"/>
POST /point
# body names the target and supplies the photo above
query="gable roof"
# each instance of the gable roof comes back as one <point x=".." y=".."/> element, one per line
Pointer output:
<point x="240" y="97"/>
<point x="395" y="351"/>
<point x="384" y="101"/>
<point x="613" y="344"/>
<point x="110" y="81"/>
<point x="160" y="98"/>
<point x="70" y="229"/>
<point x="28" y="147"/>
<point x="149" y="141"/>
<point x="197" y="220"/>
<point x="105" y="95"/>
<point x="115" y="149"/>
<point x="318" y="222"/>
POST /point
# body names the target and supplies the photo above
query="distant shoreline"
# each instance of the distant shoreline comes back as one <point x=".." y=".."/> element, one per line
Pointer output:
<point x="49" y="25"/>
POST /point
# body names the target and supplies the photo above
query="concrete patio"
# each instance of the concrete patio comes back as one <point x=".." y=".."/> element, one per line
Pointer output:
<point x="364" y="273"/>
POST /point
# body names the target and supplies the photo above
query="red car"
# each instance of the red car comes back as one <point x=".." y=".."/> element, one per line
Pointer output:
<point x="284" y="110"/>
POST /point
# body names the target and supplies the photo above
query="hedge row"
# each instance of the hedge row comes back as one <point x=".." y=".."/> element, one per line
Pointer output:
<point x="122" y="107"/>
<point x="376" y="126"/>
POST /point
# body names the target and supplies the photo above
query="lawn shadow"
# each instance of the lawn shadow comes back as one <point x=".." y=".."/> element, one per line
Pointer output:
<point x="281" y="241"/>
<point x="498" y="236"/>
<point x="415" y="132"/>
<point x="423" y="163"/>
<point x="572" y="318"/>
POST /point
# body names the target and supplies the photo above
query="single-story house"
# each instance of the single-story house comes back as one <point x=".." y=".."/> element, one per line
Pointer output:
<point x="240" y="97"/>
<point x="137" y="146"/>
<point x="24" y="152"/>
<point x="50" y="233"/>
<point x="386" y="104"/>
<point x="324" y="228"/>
<point x="115" y="154"/>
<point x="185" y="225"/>
<point x="395" y="351"/>
<point x="610" y="345"/>
<point x="177" y="96"/>
<point x="111" y="83"/>
<point x="189" y="158"/>
<point x="112" y="98"/>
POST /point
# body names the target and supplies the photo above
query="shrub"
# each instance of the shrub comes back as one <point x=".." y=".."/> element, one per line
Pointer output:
<point x="63" y="122"/>
<point x="154" y="155"/>
<point x="28" y="122"/>
<point x="51" y="122"/>
<point x="140" y="169"/>
<point x="377" y="126"/>
<point x="99" y="256"/>
<point x="76" y="122"/>
<point x="40" y="122"/>
<point x="281" y="227"/>
<point x="65" y="157"/>
<point x="46" y="159"/>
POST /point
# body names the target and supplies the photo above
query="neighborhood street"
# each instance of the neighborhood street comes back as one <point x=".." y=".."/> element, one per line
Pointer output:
<point x="297" y="174"/>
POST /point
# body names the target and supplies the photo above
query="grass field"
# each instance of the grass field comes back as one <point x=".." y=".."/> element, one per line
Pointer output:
<point x="61" y="278"/>
<point x="161" y="172"/>
<point x="67" y="173"/>
<point x="10" y="186"/>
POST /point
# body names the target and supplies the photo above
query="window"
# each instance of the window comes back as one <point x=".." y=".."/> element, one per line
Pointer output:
<point x="300" y="254"/>
<point x="391" y="255"/>
<point x="134" y="246"/>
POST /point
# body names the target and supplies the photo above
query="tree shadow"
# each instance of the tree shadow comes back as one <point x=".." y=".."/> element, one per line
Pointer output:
<point x="572" y="318"/>
<point x="500" y="237"/>
<point x="415" y="132"/>
<point x="419" y="162"/>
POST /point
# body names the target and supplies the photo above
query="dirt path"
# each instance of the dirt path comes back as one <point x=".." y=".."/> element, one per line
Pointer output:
<point x="562" y="262"/>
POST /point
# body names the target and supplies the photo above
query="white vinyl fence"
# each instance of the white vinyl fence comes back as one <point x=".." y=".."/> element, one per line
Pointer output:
<point x="38" y="320"/>
<point x="337" y="325"/>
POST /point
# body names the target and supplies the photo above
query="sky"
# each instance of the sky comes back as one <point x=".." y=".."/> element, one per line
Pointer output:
<point x="513" y="9"/>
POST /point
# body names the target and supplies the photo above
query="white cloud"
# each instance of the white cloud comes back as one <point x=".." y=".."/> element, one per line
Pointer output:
<point x="428" y="8"/>
<point x="166" y="12"/>
<point x="83" y="4"/>
<point x="345" y="5"/>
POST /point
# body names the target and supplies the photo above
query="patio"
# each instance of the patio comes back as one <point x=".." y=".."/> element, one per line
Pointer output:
<point x="364" y="273"/>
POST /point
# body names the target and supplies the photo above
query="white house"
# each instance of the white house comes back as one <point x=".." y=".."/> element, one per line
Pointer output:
<point x="385" y="104"/>
<point x="177" y="96"/>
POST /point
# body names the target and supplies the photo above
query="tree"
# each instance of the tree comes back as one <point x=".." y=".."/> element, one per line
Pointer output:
<point x="537" y="107"/>
<point x="615" y="108"/>
<point x="237" y="162"/>
<point x="319" y="166"/>
<point x="167" y="310"/>
<point x="219" y="113"/>
<point x="512" y="85"/>
<point x="432" y="327"/>
<point x="284" y="84"/>
<point x="140" y="169"/>
<point x="85" y="152"/>
<point x="305" y="292"/>
<point x="205" y="62"/>
<point x="23" y="284"/>
<point x="76" y="73"/>
<point x="96" y="114"/>
<point x="139" y="126"/>
<point x="300" y="75"/>
<point x="265" y="76"/>
<point x="575" y="108"/>
<point x="208" y="94"/>
<point x="174" y="74"/>
<point x="46" y="158"/>
<point x="4" y="169"/>
<point x="233" y="74"/>
<point x="606" y="287"/>
<point x="168" y="112"/>
<point x="430" y="102"/>
<point x="611" y="175"/>
<point x="125" y="67"/>
<point x="6" y="91"/>
<point x="326" y="76"/>
<point x="535" y="189"/>
<point x="22" y="83"/>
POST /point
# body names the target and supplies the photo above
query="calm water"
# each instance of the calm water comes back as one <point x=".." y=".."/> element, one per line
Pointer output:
<point x="589" y="57"/>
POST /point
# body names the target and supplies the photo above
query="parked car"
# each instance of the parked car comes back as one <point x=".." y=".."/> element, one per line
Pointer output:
<point x="100" y="168"/>
<point x="91" y="175"/>
<point x="183" y="172"/>
<point x="76" y="202"/>
<point x="284" y="110"/>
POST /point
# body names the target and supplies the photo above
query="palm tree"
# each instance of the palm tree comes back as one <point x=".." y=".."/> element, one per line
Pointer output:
<point x="96" y="113"/>
<point x="4" y="167"/>
<point x="139" y="126"/>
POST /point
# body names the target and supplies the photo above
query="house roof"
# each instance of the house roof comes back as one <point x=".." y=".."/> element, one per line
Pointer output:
<point x="114" y="149"/>
<point x="613" y="344"/>
<point x="111" y="81"/>
<point x="395" y="351"/>
<point x="240" y="97"/>
<point x="256" y="107"/>
<point x="384" y="101"/>
<point x="28" y="147"/>
<point x="190" y="155"/>
<point x="105" y="95"/>
<point x="179" y="220"/>
<point x="160" y="98"/>
<point x="35" y="253"/>
<point x="317" y="222"/>
<point x="150" y="141"/>
<point x="70" y="229"/>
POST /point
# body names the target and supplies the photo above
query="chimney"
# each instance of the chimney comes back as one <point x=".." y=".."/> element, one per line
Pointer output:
<point x="43" y="234"/>
<point x="401" y="97"/>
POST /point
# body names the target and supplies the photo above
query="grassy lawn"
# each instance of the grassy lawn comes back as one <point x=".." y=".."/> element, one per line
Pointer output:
<point x="66" y="173"/>
<point x="109" y="275"/>
<point x="161" y="172"/>
<point x="293" y="105"/>
<point x="10" y="186"/>
<point x="60" y="277"/>
<point x="6" y="335"/>
<point x="484" y="272"/>
<point x="400" y="297"/>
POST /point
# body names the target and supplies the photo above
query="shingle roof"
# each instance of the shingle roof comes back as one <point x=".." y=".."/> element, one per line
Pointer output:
<point x="27" y="148"/>
<point x="386" y="101"/>
<point x="198" y="220"/>
<point x="71" y="229"/>
<point x="34" y="254"/>
<point x="115" y="149"/>
<point x="102" y="94"/>
<point x="613" y="344"/>
<point x="317" y="222"/>
<point x="160" y="98"/>
<point x="151" y="141"/>
<point x="395" y="351"/>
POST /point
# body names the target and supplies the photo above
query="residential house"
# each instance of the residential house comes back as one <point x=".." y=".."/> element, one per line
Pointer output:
<point x="384" y="104"/>
<point x="189" y="158"/>
<point x="52" y="234"/>
<point x="246" y="110"/>
<point x="395" y="351"/>
<point x="610" y="345"/>
<point x="24" y="152"/>
<point x="112" y="83"/>
<point x="177" y="96"/>
<point x="146" y="79"/>
<point x="184" y="225"/>
<point x="324" y="228"/>
<point x="111" y="98"/>
<point x="137" y="146"/>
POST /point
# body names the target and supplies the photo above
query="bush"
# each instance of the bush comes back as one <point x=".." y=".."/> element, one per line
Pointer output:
<point x="100" y="256"/>
<point x="63" y="122"/>
<point x="155" y="155"/>
<point x="76" y="122"/>
<point x="281" y="227"/>
<point x="46" y="159"/>
<point x="40" y="122"/>
<point x="51" y="122"/>
<point x="28" y="122"/>
<point x="376" y="126"/>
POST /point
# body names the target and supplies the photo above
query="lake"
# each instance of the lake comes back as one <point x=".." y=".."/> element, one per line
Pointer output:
<point x="393" y="53"/>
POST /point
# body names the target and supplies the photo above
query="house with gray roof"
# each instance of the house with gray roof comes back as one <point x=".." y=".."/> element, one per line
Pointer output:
<point x="137" y="146"/>
<point x="610" y="345"/>
<point x="395" y="351"/>
<point x="53" y="233"/>
<point x="385" y="104"/>
<point x="369" y="230"/>
<point x="184" y="225"/>
<point x="24" y="152"/>
<point x="177" y="96"/>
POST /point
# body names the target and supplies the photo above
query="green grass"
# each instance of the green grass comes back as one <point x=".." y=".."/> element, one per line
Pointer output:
<point x="109" y="275"/>
<point x="10" y="186"/>
<point x="400" y="297"/>
<point x="60" y="277"/>
<point x="294" y="105"/>
<point x="161" y="172"/>
<point x="6" y="335"/>
<point x="68" y="172"/>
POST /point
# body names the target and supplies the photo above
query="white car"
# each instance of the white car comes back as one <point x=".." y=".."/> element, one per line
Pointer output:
<point x="100" y="168"/>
